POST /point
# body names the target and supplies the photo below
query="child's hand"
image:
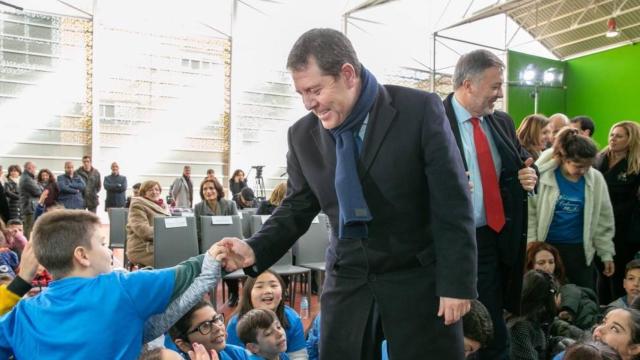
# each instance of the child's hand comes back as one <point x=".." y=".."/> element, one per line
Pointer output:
<point x="218" y="252"/>
<point x="566" y="316"/>
<point x="200" y="353"/>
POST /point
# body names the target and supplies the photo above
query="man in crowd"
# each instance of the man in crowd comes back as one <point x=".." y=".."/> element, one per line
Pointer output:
<point x="30" y="192"/>
<point x="72" y="188"/>
<point x="116" y="186"/>
<point x="584" y="124"/>
<point x="497" y="166"/>
<point x="182" y="189"/>
<point x="93" y="182"/>
<point x="557" y="121"/>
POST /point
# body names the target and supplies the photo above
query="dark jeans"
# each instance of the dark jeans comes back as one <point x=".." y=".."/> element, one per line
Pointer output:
<point x="490" y="293"/>
<point x="575" y="265"/>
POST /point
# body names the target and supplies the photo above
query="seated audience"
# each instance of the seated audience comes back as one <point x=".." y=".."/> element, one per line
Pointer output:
<point x="11" y="293"/>
<point x="572" y="210"/>
<point x="584" y="125"/>
<point x="203" y="325"/>
<point x="265" y="292"/>
<point x="142" y="211"/>
<point x="211" y="174"/>
<point x="214" y="204"/>
<point x="578" y="305"/>
<point x="8" y="258"/>
<point x="71" y="188"/>
<point x="277" y="195"/>
<point x="534" y="133"/>
<point x="263" y="335"/>
<point x="631" y="285"/>
<point x="591" y="350"/>
<point x="245" y="199"/>
<point x="620" y="330"/>
<point x="477" y="328"/>
<point x="136" y="192"/>
<point x="530" y="331"/>
<point x="48" y="182"/>
<point x="237" y="182"/>
<point x="88" y="308"/>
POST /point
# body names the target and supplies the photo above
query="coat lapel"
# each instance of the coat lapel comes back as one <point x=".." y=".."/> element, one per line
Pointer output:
<point x="453" y="121"/>
<point x="380" y="119"/>
<point x="507" y="150"/>
<point x="325" y="143"/>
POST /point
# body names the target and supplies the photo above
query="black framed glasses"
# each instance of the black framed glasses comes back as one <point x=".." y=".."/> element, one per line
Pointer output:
<point x="205" y="327"/>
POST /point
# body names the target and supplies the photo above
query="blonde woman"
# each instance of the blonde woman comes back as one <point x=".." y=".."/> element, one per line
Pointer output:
<point x="619" y="162"/>
<point x="277" y="195"/>
<point x="140" y="224"/>
<point x="534" y="133"/>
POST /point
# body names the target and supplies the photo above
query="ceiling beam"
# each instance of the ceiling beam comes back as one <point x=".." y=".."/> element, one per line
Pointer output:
<point x="591" y="37"/>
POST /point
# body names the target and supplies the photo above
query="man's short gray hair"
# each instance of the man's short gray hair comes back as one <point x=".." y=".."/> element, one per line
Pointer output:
<point x="471" y="65"/>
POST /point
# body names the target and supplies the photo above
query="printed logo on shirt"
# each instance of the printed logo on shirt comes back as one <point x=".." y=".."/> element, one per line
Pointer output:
<point x="568" y="205"/>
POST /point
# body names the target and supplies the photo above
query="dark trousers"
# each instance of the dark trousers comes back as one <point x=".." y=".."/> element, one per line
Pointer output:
<point x="575" y="265"/>
<point x="360" y="308"/>
<point x="490" y="294"/>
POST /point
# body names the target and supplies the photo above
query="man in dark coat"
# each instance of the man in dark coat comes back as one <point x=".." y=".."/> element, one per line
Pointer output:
<point x="93" y="183"/>
<point x="382" y="163"/>
<point x="30" y="192"/>
<point x="487" y="138"/>
<point x="116" y="186"/>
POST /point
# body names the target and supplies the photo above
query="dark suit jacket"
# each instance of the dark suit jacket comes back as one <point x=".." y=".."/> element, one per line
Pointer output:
<point x="513" y="237"/>
<point x="413" y="181"/>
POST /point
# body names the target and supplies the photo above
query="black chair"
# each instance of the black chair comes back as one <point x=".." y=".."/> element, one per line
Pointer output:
<point x="174" y="240"/>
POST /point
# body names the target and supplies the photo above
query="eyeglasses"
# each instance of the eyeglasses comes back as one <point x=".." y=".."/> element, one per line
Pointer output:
<point x="206" y="327"/>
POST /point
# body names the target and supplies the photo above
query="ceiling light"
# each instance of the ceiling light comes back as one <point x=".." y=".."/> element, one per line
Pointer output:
<point x="612" y="28"/>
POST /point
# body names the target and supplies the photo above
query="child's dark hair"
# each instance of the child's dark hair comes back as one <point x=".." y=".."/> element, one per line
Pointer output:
<point x="477" y="324"/>
<point x="570" y="145"/>
<point x="538" y="300"/>
<point x="151" y="354"/>
<point x="137" y="185"/>
<point x="251" y="322"/>
<point x="633" y="264"/>
<point x="245" y="300"/>
<point x="591" y="350"/>
<point x="57" y="234"/>
<point x="181" y="327"/>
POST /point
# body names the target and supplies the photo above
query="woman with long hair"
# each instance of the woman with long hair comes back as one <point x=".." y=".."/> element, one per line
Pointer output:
<point x="535" y="133"/>
<point x="48" y="182"/>
<point x="619" y="162"/>
<point x="237" y="182"/>
<point x="277" y="195"/>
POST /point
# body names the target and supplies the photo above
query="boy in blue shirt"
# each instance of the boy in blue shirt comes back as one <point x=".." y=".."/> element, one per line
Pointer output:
<point x="262" y="334"/>
<point x="88" y="311"/>
<point x="631" y="284"/>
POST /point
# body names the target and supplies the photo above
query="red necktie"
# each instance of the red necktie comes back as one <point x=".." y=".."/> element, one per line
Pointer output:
<point x="490" y="187"/>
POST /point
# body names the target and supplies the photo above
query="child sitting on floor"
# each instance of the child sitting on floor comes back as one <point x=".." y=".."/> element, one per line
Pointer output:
<point x="262" y="334"/>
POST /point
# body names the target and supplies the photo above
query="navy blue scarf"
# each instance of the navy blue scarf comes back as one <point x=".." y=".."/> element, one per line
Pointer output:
<point x="354" y="212"/>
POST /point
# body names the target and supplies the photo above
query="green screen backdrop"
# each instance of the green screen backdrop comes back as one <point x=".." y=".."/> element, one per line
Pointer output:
<point x="604" y="86"/>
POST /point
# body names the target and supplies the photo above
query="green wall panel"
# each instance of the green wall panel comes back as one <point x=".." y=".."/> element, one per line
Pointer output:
<point x="520" y="102"/>
<point x="606" y="87"/>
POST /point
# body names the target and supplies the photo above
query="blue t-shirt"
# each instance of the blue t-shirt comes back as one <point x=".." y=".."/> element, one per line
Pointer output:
<point x="10" y="260"/>
<point x="281" y="356"/>
<point x="560" y="356"/>
<point x="295" y="332"/>
<point x="87" y="318"/>
<point x="568" y="217"/>
<point x="313" y="338"/>
<point x="232" y="352"/>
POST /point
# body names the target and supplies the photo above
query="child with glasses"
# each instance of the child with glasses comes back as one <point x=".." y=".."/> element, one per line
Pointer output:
<point x="88" y="311"/>
<point x="263" y="335"/>
<point x="203" y="325"/>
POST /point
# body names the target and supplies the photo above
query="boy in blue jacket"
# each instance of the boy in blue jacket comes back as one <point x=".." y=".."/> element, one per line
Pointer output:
<point x="88" y="311"/>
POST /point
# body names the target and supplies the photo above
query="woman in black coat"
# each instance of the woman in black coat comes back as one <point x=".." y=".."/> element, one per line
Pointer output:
<point x="619" y="162"/>
<point x="12" y="192"/>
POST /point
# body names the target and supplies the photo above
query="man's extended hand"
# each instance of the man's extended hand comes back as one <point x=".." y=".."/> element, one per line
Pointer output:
<point x="453" y="309"/>
<point x="527" y="176"/>
<point x="237" y="254"/>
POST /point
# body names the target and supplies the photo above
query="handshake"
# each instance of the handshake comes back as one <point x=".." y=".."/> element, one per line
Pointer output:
<point x="233" y="254"/>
